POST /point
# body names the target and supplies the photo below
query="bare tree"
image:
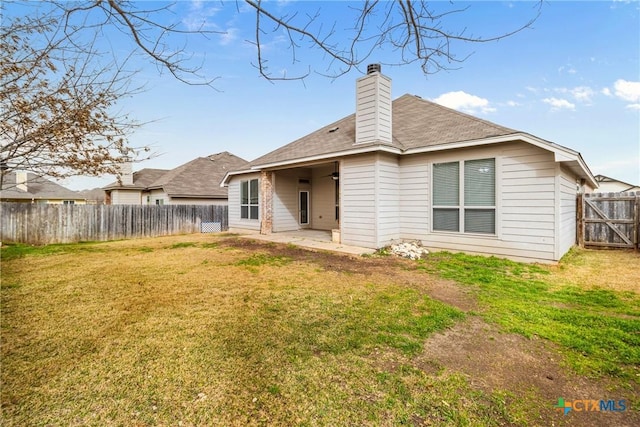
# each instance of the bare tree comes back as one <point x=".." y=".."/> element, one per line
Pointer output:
<point x="58" y="92"/>
<point x="57" y="115"/>
<point x="417" y="31"/>
<point x="414" y="30"/>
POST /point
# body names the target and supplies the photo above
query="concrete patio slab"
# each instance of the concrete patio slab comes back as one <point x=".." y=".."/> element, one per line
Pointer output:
<point x="310" y="239"/>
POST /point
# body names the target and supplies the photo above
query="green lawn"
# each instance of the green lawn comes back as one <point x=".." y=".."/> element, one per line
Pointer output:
<point x="205" y="330"/>
<point x="598" y="329"/>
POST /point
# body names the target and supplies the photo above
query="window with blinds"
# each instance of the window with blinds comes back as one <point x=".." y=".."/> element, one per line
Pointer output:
<point x="446" y="196"/>
<point x="464" y="196"/>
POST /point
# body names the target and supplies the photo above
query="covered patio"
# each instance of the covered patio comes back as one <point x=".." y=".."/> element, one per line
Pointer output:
<point x="300" y="198"/>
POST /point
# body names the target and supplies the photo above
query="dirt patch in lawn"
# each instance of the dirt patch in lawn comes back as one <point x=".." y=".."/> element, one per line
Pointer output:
<point x="527" y="368"/>
<point x="529" y="371"/>
<point x="380" y="269"/>
<point x="329" y="261"/>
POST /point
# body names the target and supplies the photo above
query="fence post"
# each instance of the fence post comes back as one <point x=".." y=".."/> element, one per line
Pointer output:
<point x="636" y="224"/>
<point x="580" y="220"/>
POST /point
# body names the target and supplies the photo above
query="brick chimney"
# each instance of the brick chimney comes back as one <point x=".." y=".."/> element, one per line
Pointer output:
<point x="373" y="107"/>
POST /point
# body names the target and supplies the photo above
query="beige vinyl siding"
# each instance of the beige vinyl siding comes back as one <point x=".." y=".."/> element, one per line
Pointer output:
<point x="525" y="203"/>
<point x="323" y="202"/>
<point x="285" y="200"/>
<point x="373" y="109"/>
<point x="414" y="197"/>
<point x="158" y="195"/>
<point x="357" y="180"/>
<point x="568" y="195"/>
<point x="234" y="204"/>
<point x="528" y="201"/>
<point x="611" y="187"/>
<point x="125" y="197"/>
<point x="145" y="197"/>
<point x="387" y="200"/>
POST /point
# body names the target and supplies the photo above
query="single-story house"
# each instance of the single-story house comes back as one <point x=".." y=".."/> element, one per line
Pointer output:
<point x="194" y="183"/>
<point x="27" y="187"/>
<point x="94" y="196"/>
<point x="410" y="169"/>
<point x="132" y="186"/>
<point x="611" y="185"/>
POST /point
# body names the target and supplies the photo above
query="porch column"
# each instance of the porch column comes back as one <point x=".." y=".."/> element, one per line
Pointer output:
<point x="266" y="202"/>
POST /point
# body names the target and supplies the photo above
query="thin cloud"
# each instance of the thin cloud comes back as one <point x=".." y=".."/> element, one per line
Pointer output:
<point x="624" y="168"/>
<point x="627" y="90"/>
<point x="464" y="102"/>
<point x="568" y="69"/>
<point x="582" y="93"/>
<point x="559" y="104"/>
<point x="615" y="3"/>
<point x="229" y="36"/>
<point x="197" y="18"/>
<point x="633" y="106"/>
<point x="614" y="164"/>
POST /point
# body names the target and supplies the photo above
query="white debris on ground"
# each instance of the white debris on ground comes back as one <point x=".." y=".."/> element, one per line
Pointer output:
<point x="411" y="250"/>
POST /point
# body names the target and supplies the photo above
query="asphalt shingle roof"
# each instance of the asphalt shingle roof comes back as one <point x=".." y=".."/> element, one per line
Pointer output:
<point x="141" y="179"/>
<point x="199" y="178"/>
<point x="38" y="188"/>
<point x="416" y="123"/>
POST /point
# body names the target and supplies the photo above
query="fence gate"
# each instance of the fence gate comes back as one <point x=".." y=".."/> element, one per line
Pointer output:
<point x="609" y="220"/>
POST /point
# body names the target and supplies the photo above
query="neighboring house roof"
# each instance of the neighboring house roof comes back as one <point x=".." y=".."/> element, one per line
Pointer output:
<point x="37" y="188"/>
<point x="625" y="186"/>
<point x="94" y="195"/>
<point x="200" y="177"/>
<point x="141" y="180"/>
<point x="418" y="126"/>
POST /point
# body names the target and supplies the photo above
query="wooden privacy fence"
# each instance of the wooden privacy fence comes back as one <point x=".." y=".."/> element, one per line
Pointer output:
<point x="41" y="224"/>
<point x="609" y="220"/>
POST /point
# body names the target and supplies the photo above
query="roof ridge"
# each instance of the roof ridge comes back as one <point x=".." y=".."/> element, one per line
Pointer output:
<point x="173" y="173"/>
<point x="414" y="124"/>
<point x="453" y="110"/>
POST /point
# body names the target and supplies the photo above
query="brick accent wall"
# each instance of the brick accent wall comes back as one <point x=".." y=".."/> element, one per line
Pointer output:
<point x="266" y="202"/>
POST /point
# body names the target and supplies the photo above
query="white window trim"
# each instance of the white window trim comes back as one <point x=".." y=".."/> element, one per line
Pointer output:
<point x="461" y="207"/>
<point x="249" y="205"/>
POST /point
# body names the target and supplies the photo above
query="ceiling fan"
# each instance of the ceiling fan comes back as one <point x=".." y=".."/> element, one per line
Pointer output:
<point x="335" y="175"/>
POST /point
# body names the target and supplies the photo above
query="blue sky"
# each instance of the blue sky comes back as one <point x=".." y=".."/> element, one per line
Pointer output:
<point x="573" y="78"/>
